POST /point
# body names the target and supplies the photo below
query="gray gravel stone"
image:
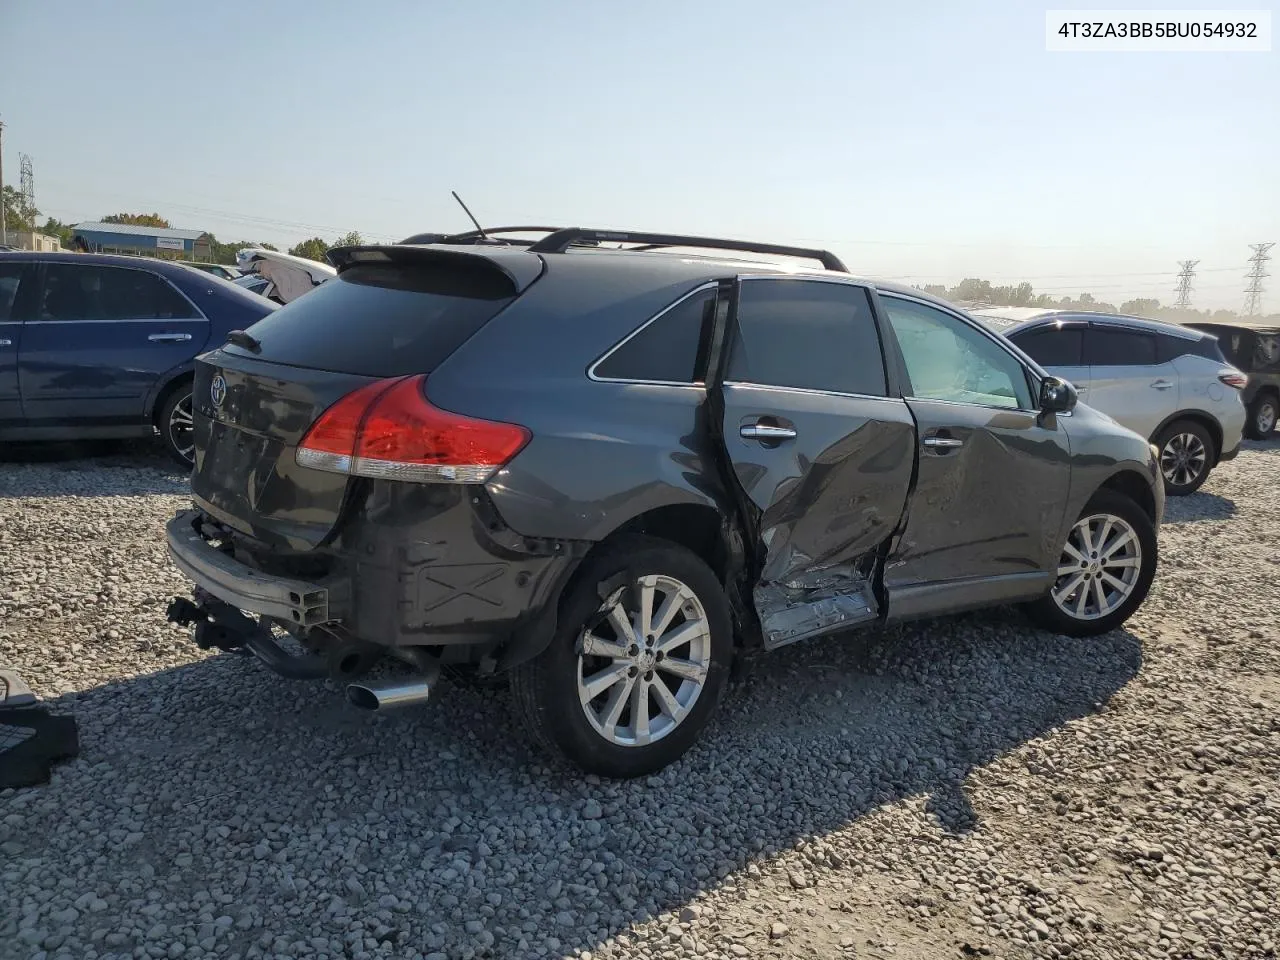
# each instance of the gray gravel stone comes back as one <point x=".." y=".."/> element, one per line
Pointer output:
<point x="964" y="775"/>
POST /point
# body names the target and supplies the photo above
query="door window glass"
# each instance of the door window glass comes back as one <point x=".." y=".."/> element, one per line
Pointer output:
<point x="1118" y="348"/>
<point x="10" y="274"/>
<point x="807" y="334"/>
<point x="949" y="360"/>
<point x="1053" y="347"/>
<point x="74" y="291"/>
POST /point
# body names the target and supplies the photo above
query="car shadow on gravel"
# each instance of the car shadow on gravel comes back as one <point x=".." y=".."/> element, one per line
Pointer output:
<point x="88" y="468"/>
<point x="447" y="806"/>
<point x="1198" y="507"/>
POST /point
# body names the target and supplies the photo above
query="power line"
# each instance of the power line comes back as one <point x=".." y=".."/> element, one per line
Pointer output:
<point x="1186" y="274"/>
<point x="1257" y="272"/>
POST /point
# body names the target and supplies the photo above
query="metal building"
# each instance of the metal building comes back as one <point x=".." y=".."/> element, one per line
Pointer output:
<point x="147" y="241"/>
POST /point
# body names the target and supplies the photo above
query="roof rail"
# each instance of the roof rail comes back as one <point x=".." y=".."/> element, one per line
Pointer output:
<point x="561" y="240"/>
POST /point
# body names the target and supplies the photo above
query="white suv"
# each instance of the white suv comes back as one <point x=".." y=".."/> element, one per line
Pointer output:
<point x="1168" y="383"/>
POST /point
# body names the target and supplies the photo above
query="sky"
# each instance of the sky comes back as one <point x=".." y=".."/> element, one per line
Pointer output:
<point x="920" y="141"/>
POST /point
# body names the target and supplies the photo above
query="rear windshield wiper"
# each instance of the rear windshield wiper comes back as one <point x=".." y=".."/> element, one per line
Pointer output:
<point x="242" y="339"/>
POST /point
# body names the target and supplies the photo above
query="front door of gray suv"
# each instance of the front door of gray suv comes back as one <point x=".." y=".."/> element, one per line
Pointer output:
<point x="822" y="454"/>
<point x="991" y="487"/>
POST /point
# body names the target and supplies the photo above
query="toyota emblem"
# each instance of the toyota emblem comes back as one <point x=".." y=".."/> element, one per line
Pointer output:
<point x="218" y="390"/>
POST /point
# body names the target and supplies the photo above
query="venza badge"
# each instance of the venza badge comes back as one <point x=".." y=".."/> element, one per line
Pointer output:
<point x="218" y="390"/>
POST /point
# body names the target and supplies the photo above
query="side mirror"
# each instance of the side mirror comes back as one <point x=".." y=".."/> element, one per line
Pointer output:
<point x="1057" y="396"/>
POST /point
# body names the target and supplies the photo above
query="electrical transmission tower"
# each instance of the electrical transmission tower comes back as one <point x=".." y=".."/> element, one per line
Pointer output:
<point x="1257" y="272"/>
<point x="1186" y="273"/>
<point x="26" y="183"/>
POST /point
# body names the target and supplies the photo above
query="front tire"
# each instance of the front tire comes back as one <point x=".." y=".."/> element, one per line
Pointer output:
<point x="1105" y="569"/>
<point x="631" y="676"/>
<point x="177" y="427"/>
<point x="1187" y="453"/>
<point x="1263" y="413"/>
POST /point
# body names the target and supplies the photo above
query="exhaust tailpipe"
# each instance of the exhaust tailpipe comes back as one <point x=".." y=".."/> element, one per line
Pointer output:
<point x="388" y="696"/>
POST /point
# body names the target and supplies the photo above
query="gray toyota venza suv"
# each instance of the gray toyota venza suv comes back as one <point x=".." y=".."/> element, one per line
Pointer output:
<point x="605" y="472"/>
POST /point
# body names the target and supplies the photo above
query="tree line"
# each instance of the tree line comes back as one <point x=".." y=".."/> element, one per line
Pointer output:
<point x="971" y="291"/>
<point x="975" y="292"/>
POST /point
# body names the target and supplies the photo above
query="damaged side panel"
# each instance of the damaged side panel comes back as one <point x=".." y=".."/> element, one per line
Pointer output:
<point x="821" y="503"/>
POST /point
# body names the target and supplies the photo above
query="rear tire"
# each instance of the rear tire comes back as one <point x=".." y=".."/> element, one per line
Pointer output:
<point x="621" y="703"/>
<point x="1187" y="454"/>
<point x="176" y="426"/>
<point x="1111" y="552"/>
<point x="1263" y="413"/>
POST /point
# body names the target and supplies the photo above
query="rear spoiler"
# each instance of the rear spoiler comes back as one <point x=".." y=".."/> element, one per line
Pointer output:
<point x="516" y="265"/>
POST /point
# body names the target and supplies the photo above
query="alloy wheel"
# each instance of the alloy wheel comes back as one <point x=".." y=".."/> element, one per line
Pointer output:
<point x="1183" y="459"/>
<point x="643" y="661"/>
<point x="181" y="427"/>
<point x="1100" y="566"/>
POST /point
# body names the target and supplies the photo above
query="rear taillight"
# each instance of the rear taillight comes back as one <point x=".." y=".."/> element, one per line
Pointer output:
<point x="1234" y="378"/>
<point x="390" y="431"/>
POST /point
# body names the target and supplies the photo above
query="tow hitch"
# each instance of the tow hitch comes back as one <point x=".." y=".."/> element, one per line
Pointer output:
<point x="221" y="626"/>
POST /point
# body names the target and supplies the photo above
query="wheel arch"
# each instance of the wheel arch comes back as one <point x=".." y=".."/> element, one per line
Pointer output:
<point x="1206" y="420"/>
<point x="183" y="376"/>
<point x="1134" y="485"/>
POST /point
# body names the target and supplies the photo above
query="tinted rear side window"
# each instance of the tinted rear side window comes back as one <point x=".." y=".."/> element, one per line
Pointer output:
<point x="75" y="291"/>
<point x="1173" y="347"/>
<point x="384" y="320"/>
<point x="10" y="274"/>
<point x="666" y="349"/>
<point x="1110" y="348"/>
<point x="1053" y="347"/>
<point x="807" y="334"/>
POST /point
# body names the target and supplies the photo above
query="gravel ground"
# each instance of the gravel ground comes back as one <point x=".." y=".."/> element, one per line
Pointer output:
<point x="958" y="788"/>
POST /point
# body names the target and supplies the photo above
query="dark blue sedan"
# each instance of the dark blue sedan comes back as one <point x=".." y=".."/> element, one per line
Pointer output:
<point x="95" y="346"/>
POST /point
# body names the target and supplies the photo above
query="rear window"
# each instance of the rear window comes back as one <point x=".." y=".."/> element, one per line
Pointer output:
<point x="384" y="320"/>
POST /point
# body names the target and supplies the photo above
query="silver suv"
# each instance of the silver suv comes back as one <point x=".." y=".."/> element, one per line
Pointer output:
<point x="1168" y="383"/>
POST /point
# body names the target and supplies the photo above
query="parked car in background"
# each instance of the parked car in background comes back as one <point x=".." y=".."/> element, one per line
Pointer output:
<point x="602" y="472"/>
<point x="97" y="346"/>
<point x="288" y="277"/>
<point x="254" y="284"/>
<point x="1253" y="346"/>
<point x="217" y="269"/>
<point x="1163" y="381"/>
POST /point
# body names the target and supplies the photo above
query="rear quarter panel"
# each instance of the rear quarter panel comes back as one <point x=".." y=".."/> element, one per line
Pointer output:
<point x="601" y="453"/>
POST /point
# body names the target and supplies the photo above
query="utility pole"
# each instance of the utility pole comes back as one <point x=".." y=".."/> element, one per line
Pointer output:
<point x="1257" y="272"/>
<point x="4" y="229"/>
<point x="1186" y="274"/>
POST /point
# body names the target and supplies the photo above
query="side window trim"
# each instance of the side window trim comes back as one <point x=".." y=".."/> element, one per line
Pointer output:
<point x="891" y="380"/>
<point x="1030" y="372"/>
<point x="688" y="384"/>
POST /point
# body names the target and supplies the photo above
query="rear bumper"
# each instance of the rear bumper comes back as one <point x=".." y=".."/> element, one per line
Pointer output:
<point x="416" y="568"/>
<point x="241" y="586"/>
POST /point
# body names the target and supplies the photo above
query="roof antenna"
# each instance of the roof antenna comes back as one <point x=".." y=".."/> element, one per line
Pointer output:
<point x="479" y="229"/>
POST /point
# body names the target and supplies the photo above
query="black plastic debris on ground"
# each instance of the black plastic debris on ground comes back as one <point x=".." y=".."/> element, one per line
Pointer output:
<point x="31" y="739"/>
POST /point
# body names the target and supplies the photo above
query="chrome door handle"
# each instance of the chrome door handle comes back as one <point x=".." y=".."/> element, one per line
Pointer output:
<point x="765" y="431"/>
<point x="6" y="343"/>
<point x="169" y="337"/>
<point x="942" y="442"/>
<point x="1162" y="384"/>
